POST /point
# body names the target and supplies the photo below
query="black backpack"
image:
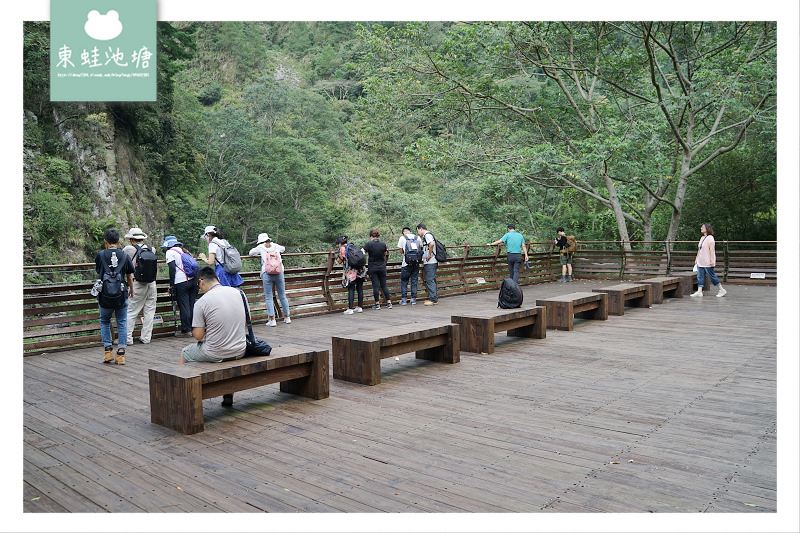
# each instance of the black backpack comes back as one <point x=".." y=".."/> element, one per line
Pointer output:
<point x="412" y="252"/>
<point x="510" y="296"/>
<point x="114" y="293"/>
<point x="145" y="264"/>
<point x="355" y="257"/>
<point x="439" y="250"/>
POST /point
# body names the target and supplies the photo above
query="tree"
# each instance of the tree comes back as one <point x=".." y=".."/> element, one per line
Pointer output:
<point x="626" y="113"/>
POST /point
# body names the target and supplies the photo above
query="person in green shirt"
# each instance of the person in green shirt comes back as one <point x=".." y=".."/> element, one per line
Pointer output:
<point x="515" y="248"/>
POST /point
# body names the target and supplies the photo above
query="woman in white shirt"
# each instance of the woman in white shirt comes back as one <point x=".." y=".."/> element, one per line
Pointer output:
<point x="272" y="274"/>
<point x="215" y="242"/>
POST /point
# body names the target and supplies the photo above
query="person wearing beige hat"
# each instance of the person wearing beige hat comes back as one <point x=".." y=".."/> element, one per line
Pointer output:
<point x="272" y="275"/>
<point x="144" y="286"/>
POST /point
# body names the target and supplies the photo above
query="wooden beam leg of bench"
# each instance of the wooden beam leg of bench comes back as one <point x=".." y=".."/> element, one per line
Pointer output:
<point x="560" y="316"/>
<point x="616" y="303"/>
<point x="356" y="361"/>
<point x="658" y="293"/>
<point x="176" y="403"/>
<point x="646" y="300"/>
<point x="601" y="312"/>
<point x="477" y="334"/>
<point x="317" y="385"/>
<point x="449" y="352"/>
<point x="535" y="330"/>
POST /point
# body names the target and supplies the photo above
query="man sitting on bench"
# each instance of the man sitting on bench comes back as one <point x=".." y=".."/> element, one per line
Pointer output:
<point x="218" y="324"/>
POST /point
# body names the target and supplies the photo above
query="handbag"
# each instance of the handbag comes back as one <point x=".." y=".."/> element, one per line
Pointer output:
<point x="256" y="346"/>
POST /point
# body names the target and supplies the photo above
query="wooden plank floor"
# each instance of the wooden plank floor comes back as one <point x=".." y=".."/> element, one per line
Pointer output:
<point x="667" y="410"/>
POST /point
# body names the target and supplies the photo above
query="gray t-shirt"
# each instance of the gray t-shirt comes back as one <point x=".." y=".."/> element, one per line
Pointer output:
<point x="221" y="312"/>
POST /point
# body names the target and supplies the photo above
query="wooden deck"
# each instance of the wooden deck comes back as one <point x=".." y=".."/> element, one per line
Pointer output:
<point x="666" y="410"/>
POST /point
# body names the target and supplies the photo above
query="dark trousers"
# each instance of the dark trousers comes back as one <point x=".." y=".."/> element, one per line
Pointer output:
<point x="358" y="284"/>
<point x="514" y="264"/>
<point x="430" y="280"/>
<point x="186" y="294"/>
<point x="379" y="284"/>
<point x="409" y="272"/>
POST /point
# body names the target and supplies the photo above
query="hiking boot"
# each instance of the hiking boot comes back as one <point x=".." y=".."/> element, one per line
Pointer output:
<point x="183" y="334"/>
<point x="348" y="311"/>
<point x="569" y="278"/>
<point x="721" y="293"/>
<point x="402" y="301"/>
<point x="227" y="400"/>
<point x="428" y="302"/>
<point x="376" y="306"/>
<point x="120" y="360"/>
<point x="562" y="279"/>
<point x="287" y="320"/>
<point x="388" y="305"/>
<point x="108" y="354"/>
<point x="359" y="310"/>
<point x="272" y="323"/>
<point x="698" y="294"/>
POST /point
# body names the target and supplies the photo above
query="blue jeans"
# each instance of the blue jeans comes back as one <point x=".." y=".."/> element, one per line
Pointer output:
<point x="268" y="280"/>
<point x="409" y="272"/>
<point x="430" y="280"/>
<point x="121" y="315"/>
<point x="514" y="264"/>
<point x="701" y="276"/>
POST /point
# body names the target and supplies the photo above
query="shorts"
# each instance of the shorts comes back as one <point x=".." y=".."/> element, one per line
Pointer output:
<point x="565" y="259"/>
<point x="196" y="353"/>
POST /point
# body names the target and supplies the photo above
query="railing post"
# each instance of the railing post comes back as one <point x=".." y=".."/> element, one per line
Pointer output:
<point x="325" y="285"/>
<point x="494" y="264"/>
<point x="725" y="259"/>
<point x="461" y="268"/>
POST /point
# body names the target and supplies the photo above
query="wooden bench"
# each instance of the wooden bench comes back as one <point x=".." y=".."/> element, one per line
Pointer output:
<point x="177" y="391"/>
<point x="561" y="310"/>
<point x="670" y="286"/>
<point x="478" y="329"/>
<point x="690" y="281"/>
<point x="637" y="294"/>
<point x="357" y="357"/>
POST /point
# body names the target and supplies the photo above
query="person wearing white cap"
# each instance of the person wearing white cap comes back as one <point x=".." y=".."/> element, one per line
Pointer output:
<point x="215" y="244"/>
<point x="272" y="275"/>
<point x="144" y="285"/>
<point x="182" y="283"/>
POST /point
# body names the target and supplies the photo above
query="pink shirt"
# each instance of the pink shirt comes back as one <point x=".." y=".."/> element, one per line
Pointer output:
<point x="706" y="256"/>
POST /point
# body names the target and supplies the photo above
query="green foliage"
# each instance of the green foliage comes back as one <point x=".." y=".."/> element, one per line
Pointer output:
<point x="211" y="94"/>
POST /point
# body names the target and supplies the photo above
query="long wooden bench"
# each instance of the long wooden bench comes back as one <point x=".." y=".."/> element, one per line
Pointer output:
<point x="177" y="391"/>
<point x="666" y="286"/>
<point x="561" y="310"/>
<point x="478" y="329"/>
<point x="636" y="294"/>
<point x="357" y="357"/>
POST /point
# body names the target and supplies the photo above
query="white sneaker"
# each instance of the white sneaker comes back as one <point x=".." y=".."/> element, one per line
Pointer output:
<point x="287" y="320"/>
<point x="721" y="293"/>
<point x="699" y="293"/>
<point x="348" y="311"/>
<point x="359" y="310"/>
<point x="272" y="322"/>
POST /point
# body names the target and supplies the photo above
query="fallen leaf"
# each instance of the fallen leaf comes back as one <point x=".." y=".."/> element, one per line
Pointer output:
<point x="180" y="489"/>
<point x="36" y="498"/>
<point x="751" y="505"/>
<point x="614" y="463"/>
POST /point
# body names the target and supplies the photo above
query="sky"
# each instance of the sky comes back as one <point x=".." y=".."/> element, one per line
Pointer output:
<point x="787" y="13"/>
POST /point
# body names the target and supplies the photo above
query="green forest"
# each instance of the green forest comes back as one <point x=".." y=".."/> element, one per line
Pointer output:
<point x="632" y="131"/>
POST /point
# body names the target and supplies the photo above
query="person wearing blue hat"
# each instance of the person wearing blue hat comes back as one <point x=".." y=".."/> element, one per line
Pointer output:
<point x="182" y="281"/>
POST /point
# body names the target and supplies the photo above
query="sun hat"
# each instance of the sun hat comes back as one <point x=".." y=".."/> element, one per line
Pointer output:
<point x="209" y="229"/>
<point x="262" y="238"/>
<point x="135" y="233"/>
<point x="170" y="241"/>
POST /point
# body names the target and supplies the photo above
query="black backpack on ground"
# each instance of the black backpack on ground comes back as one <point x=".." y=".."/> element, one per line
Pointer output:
<point x="355" y="257"/>
<point x="114" y="293"/>
<point x="145" y="264"/>
<point x="510" y="296"/>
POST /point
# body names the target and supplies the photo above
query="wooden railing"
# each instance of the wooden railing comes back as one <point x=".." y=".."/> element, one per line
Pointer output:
<point x="59" y="313"/>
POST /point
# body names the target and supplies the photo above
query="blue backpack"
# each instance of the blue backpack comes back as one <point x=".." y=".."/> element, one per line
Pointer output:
<point x="190" y="265"/>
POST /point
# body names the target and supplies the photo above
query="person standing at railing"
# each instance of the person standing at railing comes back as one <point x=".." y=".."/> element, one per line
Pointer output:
<point x="272" y="274"/>
<point x="429" y="263"/>
<point x="182" y="283"/>
<point x="376" y="268"/>
<point x="352" y="277"/>
<point x="411" y="245"/>
<point x="706" y="260"/>
<point x="565" y="257"/>
<point x="216" y="245"/>
<point x="115" y="270"/>
<point x="144" y="299"/>
<point x="515" y="248"/>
